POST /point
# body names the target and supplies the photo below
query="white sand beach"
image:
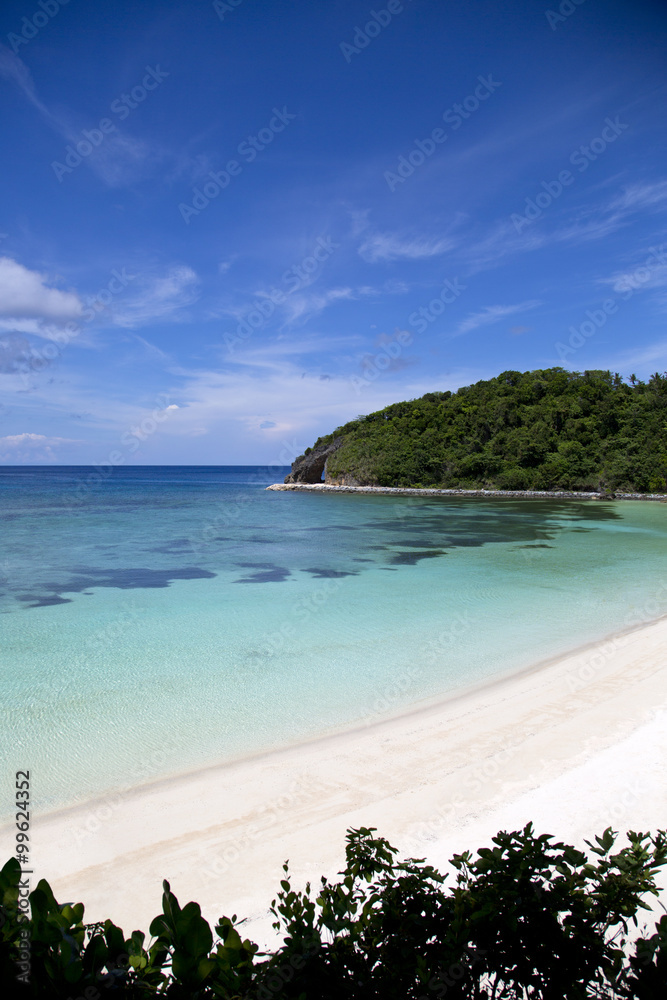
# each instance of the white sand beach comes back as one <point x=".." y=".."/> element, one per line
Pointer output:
<point x="573" y="745"/>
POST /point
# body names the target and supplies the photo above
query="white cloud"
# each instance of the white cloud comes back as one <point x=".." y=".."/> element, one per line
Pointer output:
<point x="30" y="305"/>
<point x="218" y="415"/>
<point x="388" y="246"/>
<point x="14" y="440"/>
<point x="491" y="314"/>
<point x="32" y="448"/>
<point x="25" y="295"/>
<point x="234" y="404"/>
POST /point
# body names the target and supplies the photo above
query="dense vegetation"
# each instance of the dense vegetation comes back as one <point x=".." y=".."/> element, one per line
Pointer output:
<point x="527" y="918"/>
<point x="542" y="430"/>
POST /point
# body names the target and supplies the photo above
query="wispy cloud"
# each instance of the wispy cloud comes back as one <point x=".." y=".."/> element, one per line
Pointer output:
<point x="120" y="159"/>
<point x="492" y="314"/>
<point x="303" y="305"/>
<point x="641" y="196"/>
<point x="590" y="225"/>
<point x="598" y="221"/>
<point x="271" y="355"/>
<point x="300" y="305"/>
<point x="159" y="298"/>
<point x="584" y="224"/>
<point x="639" y="279"/>
<point x="389" y="246"/>
<point x="636" y="358"/>
<point x="15" y="71"/>
<point x="503" y="242"/>
<point x="149" y="352"/>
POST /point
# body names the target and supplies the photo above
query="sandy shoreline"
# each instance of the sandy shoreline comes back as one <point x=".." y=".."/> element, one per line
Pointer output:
<point x="574" y="745"/>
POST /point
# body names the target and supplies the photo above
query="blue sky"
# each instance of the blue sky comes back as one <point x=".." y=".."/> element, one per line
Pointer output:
<point x="227" y="228"/>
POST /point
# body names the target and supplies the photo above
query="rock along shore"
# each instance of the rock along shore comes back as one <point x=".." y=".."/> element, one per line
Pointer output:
<point x="413" y="491"/>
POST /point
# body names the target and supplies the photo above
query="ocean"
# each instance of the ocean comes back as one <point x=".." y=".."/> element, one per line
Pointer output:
<point x="158" y="620"/>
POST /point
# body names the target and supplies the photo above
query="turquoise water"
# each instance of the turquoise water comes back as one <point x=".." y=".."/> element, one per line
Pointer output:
<point x="165" y="619"/>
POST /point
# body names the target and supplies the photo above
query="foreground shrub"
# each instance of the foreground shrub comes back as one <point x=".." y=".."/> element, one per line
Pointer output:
<point x="526" y="918"/>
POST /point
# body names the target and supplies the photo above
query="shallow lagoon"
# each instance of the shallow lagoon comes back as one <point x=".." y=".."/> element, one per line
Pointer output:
<point x="171" y="618"/>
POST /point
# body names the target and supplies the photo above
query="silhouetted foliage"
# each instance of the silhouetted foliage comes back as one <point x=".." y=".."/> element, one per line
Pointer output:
<point x="543" y="430"/>
<point x="527" y="918"/>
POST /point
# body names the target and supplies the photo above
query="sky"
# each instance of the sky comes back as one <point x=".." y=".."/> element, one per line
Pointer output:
<point x="229" y="227"/>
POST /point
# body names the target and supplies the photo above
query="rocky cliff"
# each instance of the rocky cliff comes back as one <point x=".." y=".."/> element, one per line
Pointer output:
<point x="310" y="468"/>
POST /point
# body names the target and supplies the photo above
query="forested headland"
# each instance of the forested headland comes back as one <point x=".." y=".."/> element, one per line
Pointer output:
<point x="548" y="429"/>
